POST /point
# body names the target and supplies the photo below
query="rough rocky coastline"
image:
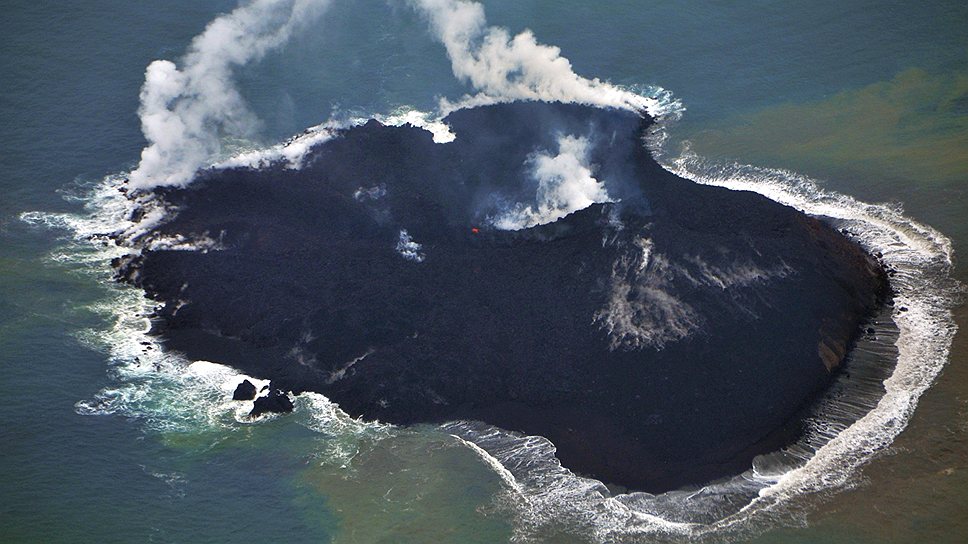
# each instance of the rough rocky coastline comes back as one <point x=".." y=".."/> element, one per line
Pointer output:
<point x="661" y="338"/>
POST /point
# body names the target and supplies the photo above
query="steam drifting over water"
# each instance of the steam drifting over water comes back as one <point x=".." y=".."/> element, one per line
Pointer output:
<point x="504" y="68"/>
<point x="186" y="111"/>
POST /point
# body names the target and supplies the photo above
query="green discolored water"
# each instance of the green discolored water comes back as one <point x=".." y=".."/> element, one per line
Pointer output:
<point x="869" y="97"/>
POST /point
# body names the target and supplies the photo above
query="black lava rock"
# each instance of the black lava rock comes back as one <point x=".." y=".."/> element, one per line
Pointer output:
<point x="276" y="402"/>
<point x="244" y="391"/>
<point x="660" y="339"/>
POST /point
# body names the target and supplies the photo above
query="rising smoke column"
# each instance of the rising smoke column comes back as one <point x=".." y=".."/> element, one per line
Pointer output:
<point x="505" y="68"/>
<point x="566" y="184"/>
<point x="184" y="111"/>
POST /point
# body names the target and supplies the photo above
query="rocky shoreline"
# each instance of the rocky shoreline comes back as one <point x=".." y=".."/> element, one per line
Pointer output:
<point x="660" y="338"/>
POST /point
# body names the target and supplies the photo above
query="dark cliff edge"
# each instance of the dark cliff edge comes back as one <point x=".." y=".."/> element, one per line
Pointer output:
<point x="658" y="340"/>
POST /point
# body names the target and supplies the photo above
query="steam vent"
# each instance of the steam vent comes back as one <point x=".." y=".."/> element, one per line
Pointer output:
<point x="540" y="273"/>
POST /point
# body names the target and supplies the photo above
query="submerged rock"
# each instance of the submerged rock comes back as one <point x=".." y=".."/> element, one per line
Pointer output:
<point x="658" y="331"/>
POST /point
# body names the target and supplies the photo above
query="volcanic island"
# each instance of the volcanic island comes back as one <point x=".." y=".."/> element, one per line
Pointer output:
<point x="663" y="336"/>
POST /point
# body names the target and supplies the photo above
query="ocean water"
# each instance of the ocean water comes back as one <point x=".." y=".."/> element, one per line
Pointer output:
<point x="102" y="437"/>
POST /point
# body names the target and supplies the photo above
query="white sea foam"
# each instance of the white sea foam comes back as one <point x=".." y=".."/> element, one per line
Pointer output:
<point x="845" y="431"/>
<point x="109" y="213"/>
<point x="163" y="389"/>
<point x="924" y="293"/>
<point x="170" y="393"/>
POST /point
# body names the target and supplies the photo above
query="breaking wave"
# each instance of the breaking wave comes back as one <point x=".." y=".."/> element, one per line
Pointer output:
<point x="862" y="414"/>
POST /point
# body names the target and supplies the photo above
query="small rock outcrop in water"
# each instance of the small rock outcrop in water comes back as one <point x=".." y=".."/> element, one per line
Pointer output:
<point x="244" y="391"/>
<point x="663" y="334"/>
<point x="275" y="402"/>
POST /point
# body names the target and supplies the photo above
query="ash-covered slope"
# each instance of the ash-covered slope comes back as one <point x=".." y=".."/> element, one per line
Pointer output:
<point x="661" y="338"/>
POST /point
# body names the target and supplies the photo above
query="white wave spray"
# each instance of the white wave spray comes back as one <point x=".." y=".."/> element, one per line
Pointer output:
<point x="185" y="111"/>
<point x="844" y="431"/>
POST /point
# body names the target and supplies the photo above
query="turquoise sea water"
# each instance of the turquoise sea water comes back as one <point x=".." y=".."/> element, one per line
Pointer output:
<point x="869" y="98"/>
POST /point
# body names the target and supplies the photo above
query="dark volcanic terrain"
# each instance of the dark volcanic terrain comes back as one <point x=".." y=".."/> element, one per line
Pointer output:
<point x="660" y="339"/>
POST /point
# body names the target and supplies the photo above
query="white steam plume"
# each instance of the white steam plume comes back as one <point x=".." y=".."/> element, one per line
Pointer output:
<point x="504" y="68"/>
<point x="185" y="111"/>
<point x="565" y="185"/>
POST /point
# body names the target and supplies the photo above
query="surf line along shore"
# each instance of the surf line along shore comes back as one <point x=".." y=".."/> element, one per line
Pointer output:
<point x="659" y="332"/>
